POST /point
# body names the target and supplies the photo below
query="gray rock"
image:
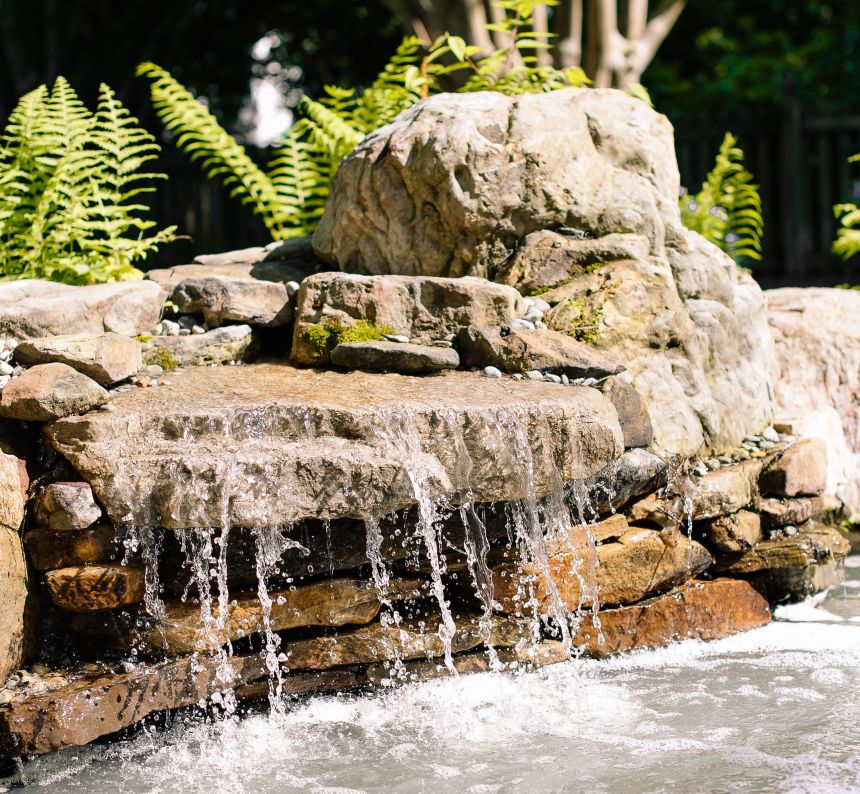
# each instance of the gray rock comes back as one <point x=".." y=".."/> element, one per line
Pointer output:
<point x="534" y="374"/>
<point x="65" y="506"/>
<point x="396" y="338"/>
<point x="280" y="444"/>
<point x="408" y="359"/>
<point x="218" y="346"/>
<point x="49" y="391"/>
<point x="492" y="372"/>
<point x="636" y="472"/>
<point x="33" y="309"/>
<point x="107" y="358"/>
<point x="632" y="412"/>
<point x="422" y="309"/>
<point x="514" y="349"/>
<point x="771" y="435"/>
<point x="453" y="157"/>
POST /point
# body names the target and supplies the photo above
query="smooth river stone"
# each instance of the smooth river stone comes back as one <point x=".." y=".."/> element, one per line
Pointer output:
<point x="273" y="444"/>
<point x="640" y="563"/>
<point x="96" y="587"/>
<point x="698" y="610"/>
<point x="331" y="603"/>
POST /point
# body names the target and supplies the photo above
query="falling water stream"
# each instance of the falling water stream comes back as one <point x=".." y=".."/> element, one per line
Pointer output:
<point x="774" y="709"/>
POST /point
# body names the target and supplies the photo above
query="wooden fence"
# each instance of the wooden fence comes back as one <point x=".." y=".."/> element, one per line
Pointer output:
<point x="801" y="164"/>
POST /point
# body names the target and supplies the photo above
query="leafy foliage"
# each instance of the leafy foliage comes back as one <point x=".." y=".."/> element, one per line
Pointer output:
<point x="727" y="210"/>
<point x="847" y="242"/>
<point x="290" y="195"/>
<point x="70" y="188"/>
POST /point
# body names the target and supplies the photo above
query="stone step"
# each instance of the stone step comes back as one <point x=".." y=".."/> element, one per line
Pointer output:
<point x="270" y="445"/>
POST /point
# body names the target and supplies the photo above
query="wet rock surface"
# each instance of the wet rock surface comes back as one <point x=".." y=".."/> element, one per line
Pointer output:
<point x="279" y="444"/>
<point x="47" y="549"/>
<point x="106" y="358"/>
<point x="96" y="587"/>
<point x="698" y="610"/>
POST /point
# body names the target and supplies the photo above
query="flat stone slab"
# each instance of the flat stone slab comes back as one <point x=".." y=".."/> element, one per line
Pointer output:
<point x="32" y="309"/>
<point x="269" y="445"/>
<point x="106" y="358"/>
<point x="406" y="359"/>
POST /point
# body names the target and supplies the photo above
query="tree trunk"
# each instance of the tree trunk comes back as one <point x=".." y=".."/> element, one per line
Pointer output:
<point x="614" y="41"/>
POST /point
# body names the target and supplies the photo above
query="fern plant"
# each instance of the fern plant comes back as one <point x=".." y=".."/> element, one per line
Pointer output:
<point x="71" y="187"/>
<point x="291" y="193"/>
<point x="847" y="242"/>
<point x="727" y="210"/>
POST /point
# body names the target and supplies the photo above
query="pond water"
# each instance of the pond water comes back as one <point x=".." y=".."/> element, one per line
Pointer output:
<point x="776" y="709"/>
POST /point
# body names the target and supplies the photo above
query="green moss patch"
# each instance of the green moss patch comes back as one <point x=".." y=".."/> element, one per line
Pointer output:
<point x="326" y="336"/>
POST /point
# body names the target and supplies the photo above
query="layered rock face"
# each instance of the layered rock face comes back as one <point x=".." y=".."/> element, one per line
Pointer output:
<point x="816" y="375"/>
<point x="572" y="195"/>
<point x="277" y="445"/>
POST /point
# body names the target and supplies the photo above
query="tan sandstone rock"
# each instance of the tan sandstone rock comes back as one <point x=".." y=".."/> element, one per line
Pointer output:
<point x="278" y="444"/>
<point x="106" y="358"/>
<point x="50" y="391"/>
<point x="801" y="470"/>
<point x="422" y="309"/>
<point x="32" y="309"/>
<point x="410" y="640"/>
<point x="698" y="610"/>
<point x="47" y="549"/>
<point x="218" y="346"/>
<point x="13" y="569"/>
<point x="93" y="588"/>
<point x="732" y="533"/>
<point x="576" y="575"/>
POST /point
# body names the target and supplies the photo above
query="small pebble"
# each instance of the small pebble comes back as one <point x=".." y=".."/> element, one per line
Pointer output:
<point x="399" y="338"/>
<point x="5" y="355"/>
<point x="564" y="379"/>
<point x="540" y="325"/>
<point x="153" y="382"/>
<point x="712" y="463"/>
<point x="441" y="343"/>
<point x="534" y="374"/>
<point x="11" y="343"/>
<point x="767" y="444"/>
<point x="517" y="376"/>
<point x="187" y="321"/>
<point x="198" y="329"/>
<point x="770" y="435"/>
<point x="589" y="382"/>
<point x="534" y="315"/>
<point x="184" y="332"/>
<point x="152" y="370"/>
<point x="701" y="470"/>
<point x="550" y="378"/>
<point x="521" y="323"/>
<point x="292" y="287"/>
<point x="4" y="379"/>
<point x="725" y="460"/>
<point x="758" y="453"/>
<point x="17" y="371"/>
<point x="749" y="447"/>
<point x="170" y="328"/>
<point x="542" y="305"/>
<point x="159" y="329"/>
<point x="790" y="531"/>
<point x="6" y="368"/>
<point x="742" y="454"/>
<point x="492" y="372"/>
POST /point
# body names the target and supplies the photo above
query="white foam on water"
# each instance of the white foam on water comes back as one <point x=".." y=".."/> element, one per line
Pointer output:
<point x="774" y="709"/>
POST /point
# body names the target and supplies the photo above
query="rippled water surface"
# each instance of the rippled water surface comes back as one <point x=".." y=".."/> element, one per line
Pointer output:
<point x="776" y="709"/>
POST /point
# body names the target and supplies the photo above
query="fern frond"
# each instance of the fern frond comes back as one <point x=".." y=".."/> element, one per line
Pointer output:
<point x="727" y="210"/>
<point x="200" y="136"/>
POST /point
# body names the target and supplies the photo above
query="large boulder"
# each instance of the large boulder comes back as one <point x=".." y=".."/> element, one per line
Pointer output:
<point x="816" y="375"/>
<point x="273" y="444"/>
<point x="571" y="194"/>
<point x="33" y="309"/>
<point x="47" y="392"/>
